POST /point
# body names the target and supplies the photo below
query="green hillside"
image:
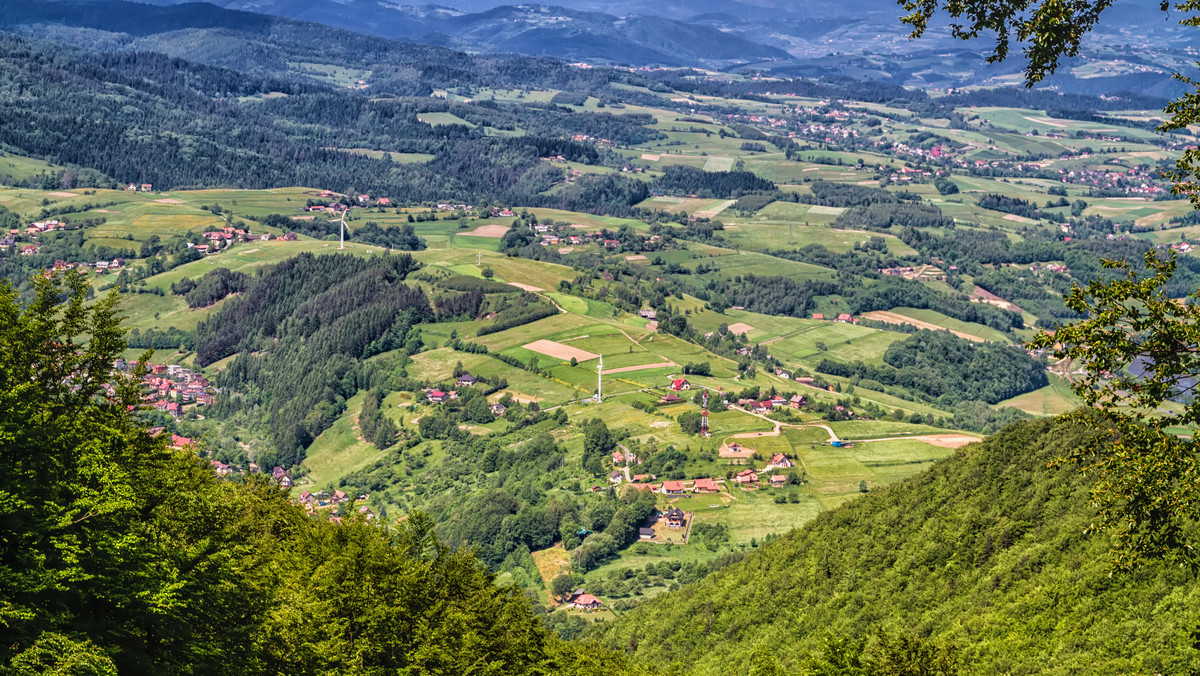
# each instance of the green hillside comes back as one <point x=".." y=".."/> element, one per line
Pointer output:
<point x="984" y="553"/>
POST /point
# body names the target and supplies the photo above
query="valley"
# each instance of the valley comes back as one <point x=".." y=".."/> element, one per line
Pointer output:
<point x="628" y="340"/>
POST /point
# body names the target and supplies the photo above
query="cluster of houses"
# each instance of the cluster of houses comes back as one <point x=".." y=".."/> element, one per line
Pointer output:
<point x="170" y="387"/>
<point x="844" y="317"/>
<point x="778" y="401"/>
<point x="134" y="187"/>
<point x="439" y="396"/>
<point x="746" y="478"/>
<point x="100" y="267"/>
<point x="549" y="238"/>
<point x="334" y="209"/>
<point x="589" y="138"/>
<point x="1136" y="182"/>
<point x="26" y="238"/>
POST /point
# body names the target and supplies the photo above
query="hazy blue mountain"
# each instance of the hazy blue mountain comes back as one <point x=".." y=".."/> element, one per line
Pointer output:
<point x="540" y="30"/>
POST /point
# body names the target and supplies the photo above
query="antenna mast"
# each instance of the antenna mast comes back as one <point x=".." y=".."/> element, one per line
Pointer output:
<point x="704" y="416"/>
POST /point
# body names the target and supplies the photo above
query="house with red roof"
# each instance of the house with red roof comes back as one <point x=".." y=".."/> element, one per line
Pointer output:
<point x="586" y="602"/>
<point x="436" y="396"/>
<point x="680" y="384"/>
<point x="781" y="460"/>
<point x="707" y="486"/>
<point x="746" y="477"/>
<point x="672" y="488"/>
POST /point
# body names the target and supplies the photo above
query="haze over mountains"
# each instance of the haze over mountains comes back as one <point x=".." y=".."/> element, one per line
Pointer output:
<point x="860" y="39"/>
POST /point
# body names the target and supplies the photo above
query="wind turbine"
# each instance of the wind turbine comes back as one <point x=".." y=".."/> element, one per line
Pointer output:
<point x="342" y="231"/>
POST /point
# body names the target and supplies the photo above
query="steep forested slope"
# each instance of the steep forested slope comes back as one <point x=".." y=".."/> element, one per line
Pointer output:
<point x="986" y="552"/>
<point x="121" y="555"/>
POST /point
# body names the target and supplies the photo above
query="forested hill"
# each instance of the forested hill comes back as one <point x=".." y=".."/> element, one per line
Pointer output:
<point x="983" y="555"/>
<point x="149" y="118"/>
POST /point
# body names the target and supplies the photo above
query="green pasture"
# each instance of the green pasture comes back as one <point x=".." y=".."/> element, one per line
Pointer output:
<point x="1053" y="399"/>
<point x="969" y="328"/>
<point x="439" y="119"/>
<point x="19" y="167"/>
<point x="340" y="449"/>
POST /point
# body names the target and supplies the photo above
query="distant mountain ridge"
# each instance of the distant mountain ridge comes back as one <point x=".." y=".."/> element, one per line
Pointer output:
<point x="532" y="29"/>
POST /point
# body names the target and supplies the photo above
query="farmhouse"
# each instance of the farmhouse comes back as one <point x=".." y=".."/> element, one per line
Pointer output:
<point x="467" y="380"/>
<point x="436" y="396"/>
<point x="680" y="384"/>
<point x="616" y="477"/>
<point x="586" y="602"/>
<point x="675" y="518"/>
<point x="818" y="316"/>
<point x="498" y="409"/>
<point x="707" y="486"/>
<point x="778" y="480"/>
<point x="670" y="399"/>
<point x="843" y="317"/>
<point x="797" y="401"/>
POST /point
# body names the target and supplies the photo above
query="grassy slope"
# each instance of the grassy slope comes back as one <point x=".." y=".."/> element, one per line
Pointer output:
<point x="983" y="551"/>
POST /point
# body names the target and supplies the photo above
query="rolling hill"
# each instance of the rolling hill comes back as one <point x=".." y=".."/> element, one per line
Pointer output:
<point x="984" y="553"/>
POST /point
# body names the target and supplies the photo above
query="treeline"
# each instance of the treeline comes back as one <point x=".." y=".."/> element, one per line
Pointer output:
<point x="770" y="295"/>
<point x="882" y="216"/>
<point x="212" y="287"/>
<point x="402" y="238"/>
<point x="467" y="283"/>
<point x="300" y="333"/>
<point x="949" y="369"/>
<point x="678" y="179"/>
<point x="830" y="194"/>
<point x="528" y="309"/>
<point x="891" y="292"/>
<point x="1009" y="205"/>
<point x="376" y="427"/>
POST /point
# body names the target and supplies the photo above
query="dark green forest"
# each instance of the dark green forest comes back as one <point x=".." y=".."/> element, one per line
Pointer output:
<point x="301" y="332"/>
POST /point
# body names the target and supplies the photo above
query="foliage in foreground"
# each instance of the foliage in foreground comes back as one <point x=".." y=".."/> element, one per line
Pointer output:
<point x="120" y="555"/>
<point x="980" y="564"/>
